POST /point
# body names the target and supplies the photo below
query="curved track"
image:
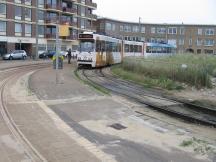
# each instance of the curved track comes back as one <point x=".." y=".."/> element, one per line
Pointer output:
<point x="152" y="98"/>
<point x="11" y="74"/>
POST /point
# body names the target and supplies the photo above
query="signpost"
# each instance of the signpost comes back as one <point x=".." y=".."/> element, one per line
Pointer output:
<point x="63" y="31"/>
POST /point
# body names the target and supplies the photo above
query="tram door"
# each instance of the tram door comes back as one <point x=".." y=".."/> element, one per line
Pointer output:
<point x="100" y="53"/>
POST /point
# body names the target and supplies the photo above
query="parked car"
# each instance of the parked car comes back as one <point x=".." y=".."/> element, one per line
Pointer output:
<point x="64" y="53"/>
<point x="16" y="54"/>
<point x="42" y="54"/>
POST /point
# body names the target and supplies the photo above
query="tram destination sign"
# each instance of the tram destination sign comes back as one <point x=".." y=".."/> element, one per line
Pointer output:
<point x="85" y="36"/>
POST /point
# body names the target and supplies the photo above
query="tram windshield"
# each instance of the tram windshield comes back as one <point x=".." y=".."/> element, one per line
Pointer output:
<point x="87" y="46"/>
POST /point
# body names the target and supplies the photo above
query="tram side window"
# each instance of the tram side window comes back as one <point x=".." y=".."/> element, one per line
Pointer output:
<point x="139" y="48"/>
<point x="119" y="47"/>
<point x="135" y="48"/>
<point x="126" y="48"/>
<point x="114" y="47"/>
<point x="108" y="46"/>
<point x="148" y="50"/>
<point x="131" y="48"/>
<point x="100" y="46"/>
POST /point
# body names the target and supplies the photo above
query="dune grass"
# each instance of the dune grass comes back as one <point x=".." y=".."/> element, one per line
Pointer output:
<point x="168" y="72"/>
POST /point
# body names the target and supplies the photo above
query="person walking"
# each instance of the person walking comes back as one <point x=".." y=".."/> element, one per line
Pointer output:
<point x="69" y="56"/>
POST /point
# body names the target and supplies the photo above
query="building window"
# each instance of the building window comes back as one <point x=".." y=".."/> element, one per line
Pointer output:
<point x="209" y="42"/>
<point x="190" y="42"/>
<point x="52" y="2"/>
<point x="40" y="15"/>
<point x="209" y="32"/>
<point x="161" y="30"/>
<point x="199" y="42"/>
<point x="181" y="41"/>
<point x="17" y="1"/>
<point x="172" y="30"/>
<point x="182" y="31"/>
<point x="121" y="28"/>
<point x="199" y="31"/>
<point x="75" y="20"/>
<point x="28" y="2"/>
<point x="18" y="28"/>
<point x="127" y="28"/>
<point x="142" y="29"/>
<point x="207" y="51"/>
<point x="41" y="30"/>
<point x="199" y="51"/>
<point x="2" y="9"/>
<point x="28" y="14"/>
<point x="135" y="29"/>
<point x="28" y="29"/>
<point x="2" y="27"/>
<point x="18" y="12"/>
<point x="83" y="1"/>
<point x="142" y="39"/>
<point x="113" y="27"/>
<point x="41" y="2"/>
<point x="82" y="11"/>
<point x="82" y="24"/>
<point x="108" y="26"/>
<point x="152" y="30"/>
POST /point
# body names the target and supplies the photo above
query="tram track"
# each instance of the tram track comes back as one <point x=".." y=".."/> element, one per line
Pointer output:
<point x="152" y="98"/>
<point x="11" y="74"/>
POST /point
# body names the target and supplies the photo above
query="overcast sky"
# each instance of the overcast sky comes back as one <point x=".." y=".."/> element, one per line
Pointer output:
<point x="159" y="11"/>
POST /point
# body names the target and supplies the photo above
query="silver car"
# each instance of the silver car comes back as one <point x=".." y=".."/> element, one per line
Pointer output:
<point x="17" y="54"/>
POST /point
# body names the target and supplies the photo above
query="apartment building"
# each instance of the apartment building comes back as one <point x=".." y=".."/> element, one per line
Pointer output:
<point x="192" y="38"/>
<point x="18" y="23"/>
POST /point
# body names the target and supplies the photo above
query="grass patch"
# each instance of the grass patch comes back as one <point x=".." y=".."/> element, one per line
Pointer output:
<point x="199" y="146"/>
<point x="91" y="84"/>
<point x="193" y="70"/>
<point x="145" y="80"/>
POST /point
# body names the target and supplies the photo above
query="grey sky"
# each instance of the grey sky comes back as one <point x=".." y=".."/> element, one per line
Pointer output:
<point x="159" y="11"/>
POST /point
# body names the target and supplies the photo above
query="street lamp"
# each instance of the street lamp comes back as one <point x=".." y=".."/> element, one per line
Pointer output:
<point x="140" y="28"/>
<point x="36" y="31"/>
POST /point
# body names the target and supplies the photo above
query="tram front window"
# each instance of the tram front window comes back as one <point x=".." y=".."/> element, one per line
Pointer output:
<point x="86" y="46"/>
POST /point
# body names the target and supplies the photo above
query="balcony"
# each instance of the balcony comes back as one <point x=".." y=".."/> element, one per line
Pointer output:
<point x="91" y="4"/>
<point x="51" y="20"/>
<point x="50" y="35"/>
<point x="91" y="16"/>
<point x="70" y="10"/>
<point x="72" y="37"/>
<point x="51" y="7"/>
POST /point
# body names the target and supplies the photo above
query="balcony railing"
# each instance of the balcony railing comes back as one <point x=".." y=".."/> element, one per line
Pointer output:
<point x="51" y="6"/>
<point x="71" y="10"/>
<point x="51" y="19"/>
<point x="91" y="4"/>
<point x="92" y="16"/>
<point x="50" y="35"/>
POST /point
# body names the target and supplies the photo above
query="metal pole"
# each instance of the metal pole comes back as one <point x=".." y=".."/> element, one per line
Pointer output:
<point x="57" y="52"/>
<point x="140" y="27"/>
<point x="36" y="31"/>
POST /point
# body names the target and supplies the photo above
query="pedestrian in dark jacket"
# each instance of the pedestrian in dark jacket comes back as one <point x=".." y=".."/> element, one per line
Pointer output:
<point x="69" y="56"/>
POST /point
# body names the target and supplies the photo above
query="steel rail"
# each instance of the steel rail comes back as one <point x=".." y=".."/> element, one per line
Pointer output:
<point x="32" y="153"/>
<point x="189" y="114"/>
